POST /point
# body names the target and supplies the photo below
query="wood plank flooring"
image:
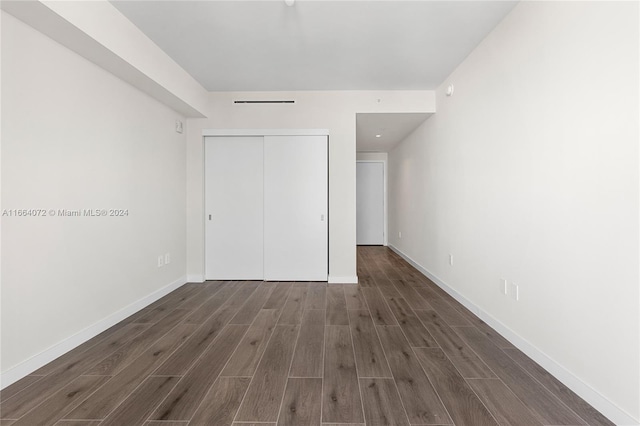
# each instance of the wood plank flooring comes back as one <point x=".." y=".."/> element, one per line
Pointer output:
<point x="395" y="350"/>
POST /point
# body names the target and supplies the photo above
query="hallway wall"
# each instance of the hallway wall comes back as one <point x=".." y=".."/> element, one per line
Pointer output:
<point x="529" y="173"/>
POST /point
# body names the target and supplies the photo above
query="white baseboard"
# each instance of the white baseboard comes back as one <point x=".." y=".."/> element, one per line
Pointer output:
<point x="582" y="389"/>
<point x="343" y="280"/>
<point x="196" y="278"/>
<point x="331" y="279"/>
<point x="30" y="365"/>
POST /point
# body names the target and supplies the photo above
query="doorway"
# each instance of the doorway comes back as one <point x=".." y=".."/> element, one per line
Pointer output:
<point x="370" y="209"/>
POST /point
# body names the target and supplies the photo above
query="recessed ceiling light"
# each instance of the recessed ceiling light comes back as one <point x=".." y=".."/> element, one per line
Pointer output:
<point x="377" y="136"/>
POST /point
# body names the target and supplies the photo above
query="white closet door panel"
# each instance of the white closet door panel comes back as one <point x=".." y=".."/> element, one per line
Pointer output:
<point x="295" y="208"/>
<point x="234" y="208"/>
<point x="370" y="203"/>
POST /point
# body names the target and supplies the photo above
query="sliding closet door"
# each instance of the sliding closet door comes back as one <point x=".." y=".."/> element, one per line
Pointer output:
<point x="295" y="208"/>
<point x="234" y="208"/>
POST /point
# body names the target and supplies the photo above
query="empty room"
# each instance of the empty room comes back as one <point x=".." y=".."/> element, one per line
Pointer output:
<point x="319" y="212"/>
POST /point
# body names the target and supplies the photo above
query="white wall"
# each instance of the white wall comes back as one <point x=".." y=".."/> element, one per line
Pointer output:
<point x="530" y="173"/>
<point x="76" y="137"/>
<point x="335" y="111"/>
<point x="379" y="157"/>
<point x="1" y="204"/>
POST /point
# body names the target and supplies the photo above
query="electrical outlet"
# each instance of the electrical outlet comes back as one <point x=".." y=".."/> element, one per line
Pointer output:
<point x="515" y="291"/>
<point x="399" y="234"/>
<point x="167" y="258"/>
<point x="160" y="261"/>
<point x="503" y="286"/>
<point x="178" y="126"/>
<point x="450" y="259"/>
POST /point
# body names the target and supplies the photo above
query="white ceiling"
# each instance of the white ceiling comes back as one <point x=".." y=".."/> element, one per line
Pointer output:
<point x="392" y="128"/>
<point x="316" y="45"/>
<point x="238" y="45"/>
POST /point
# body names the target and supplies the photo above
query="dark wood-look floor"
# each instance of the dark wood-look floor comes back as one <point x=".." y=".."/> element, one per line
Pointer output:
<point x="394" y="350"/>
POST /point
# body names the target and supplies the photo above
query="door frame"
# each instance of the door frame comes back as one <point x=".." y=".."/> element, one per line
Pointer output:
<point x="263" y="132"/>
<point x="385" y="237"/>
